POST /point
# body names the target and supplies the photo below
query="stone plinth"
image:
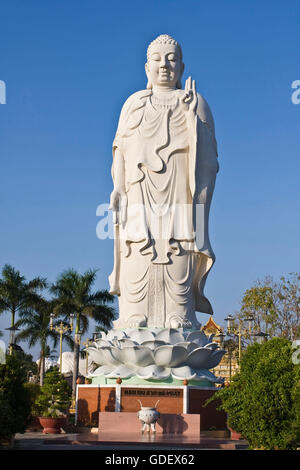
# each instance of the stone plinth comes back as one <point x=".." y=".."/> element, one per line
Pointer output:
<point x="168" y="423"/>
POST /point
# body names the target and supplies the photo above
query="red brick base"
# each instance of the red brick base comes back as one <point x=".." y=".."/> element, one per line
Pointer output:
<point x="92" y="399"/>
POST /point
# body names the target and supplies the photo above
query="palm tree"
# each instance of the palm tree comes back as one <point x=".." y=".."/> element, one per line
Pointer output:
<point x="16" y="294"/>
<point x="36" y="321"/>
<point x="73" y="294"/>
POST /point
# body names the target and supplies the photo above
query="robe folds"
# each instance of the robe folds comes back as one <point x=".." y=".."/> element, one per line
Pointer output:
<point x="162" y="252"/>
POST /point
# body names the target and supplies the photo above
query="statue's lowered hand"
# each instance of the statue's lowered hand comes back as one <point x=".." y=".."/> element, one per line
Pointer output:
<point x="118" y="205"/>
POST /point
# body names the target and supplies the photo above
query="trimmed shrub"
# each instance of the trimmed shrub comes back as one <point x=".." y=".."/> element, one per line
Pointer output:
<point x="262" y="400"/>
<point x="14" y="399"/>
<point x="55" y="397"/>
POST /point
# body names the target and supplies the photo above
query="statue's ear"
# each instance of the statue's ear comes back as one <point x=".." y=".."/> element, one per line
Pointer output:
<point x="149" y="84"/>
<point x="179" y="84"/>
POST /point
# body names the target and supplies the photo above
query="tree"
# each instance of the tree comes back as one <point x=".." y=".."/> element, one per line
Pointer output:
<point x="261" y="400"/>
<point x="73" y="294"/>
<point x="16" y="294"/>
<point x="288" y="311"/>
<point x="27" y="363"/>
<point x="55" y="395"/>
<point x="15" y="401"/>
<point x="36" y="321"/>
<point x="259" y="302"/>
<point x="275" y="306"/>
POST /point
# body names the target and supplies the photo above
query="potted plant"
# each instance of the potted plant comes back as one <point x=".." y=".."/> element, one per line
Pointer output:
<point x="53" y="403"/>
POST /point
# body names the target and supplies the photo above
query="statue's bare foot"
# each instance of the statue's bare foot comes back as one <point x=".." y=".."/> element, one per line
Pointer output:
<point x="137" y="321"/>
<point x="176" y="321"/>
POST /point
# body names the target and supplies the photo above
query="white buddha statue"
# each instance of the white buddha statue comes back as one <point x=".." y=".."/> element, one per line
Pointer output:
<point x="164" y="170"/>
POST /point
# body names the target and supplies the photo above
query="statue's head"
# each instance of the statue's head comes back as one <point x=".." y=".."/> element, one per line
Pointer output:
<point x="164" y="67"/>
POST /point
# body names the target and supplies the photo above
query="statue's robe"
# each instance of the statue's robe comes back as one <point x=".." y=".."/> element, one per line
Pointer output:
<point x="170" y="169"/>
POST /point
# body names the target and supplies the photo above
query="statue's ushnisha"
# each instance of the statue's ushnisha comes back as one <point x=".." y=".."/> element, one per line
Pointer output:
<point x="164" y="171"/>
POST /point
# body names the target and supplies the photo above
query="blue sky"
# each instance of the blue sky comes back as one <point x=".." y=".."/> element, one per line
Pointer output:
<point x="68" y="67"/>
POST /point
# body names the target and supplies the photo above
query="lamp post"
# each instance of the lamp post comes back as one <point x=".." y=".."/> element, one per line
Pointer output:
<point x="239" y="331"/>
<point x="261" y="337"/>
<point x="222" y="337"/>
<point x="62" y="328"/>
<point x="250" y="321"/>
<point x="96" y="335"/>
<point x="86" y="344"/>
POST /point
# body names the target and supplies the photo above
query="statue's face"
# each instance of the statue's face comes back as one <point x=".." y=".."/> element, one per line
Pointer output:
<point x="164" y="67"/>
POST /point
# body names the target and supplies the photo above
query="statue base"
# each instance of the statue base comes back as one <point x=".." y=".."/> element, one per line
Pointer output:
<point x="125" y="398"/>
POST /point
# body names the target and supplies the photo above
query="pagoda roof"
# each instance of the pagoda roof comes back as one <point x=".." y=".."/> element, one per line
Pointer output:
<point x="212" y="325"/>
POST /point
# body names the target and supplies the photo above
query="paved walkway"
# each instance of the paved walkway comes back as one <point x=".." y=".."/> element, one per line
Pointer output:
<point x="89" y="441"/>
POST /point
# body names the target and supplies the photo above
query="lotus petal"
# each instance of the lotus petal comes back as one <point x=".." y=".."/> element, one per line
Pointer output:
<point x="140" y="356"/>
<point x="214" y="359"/>
<point x="103" y="356"/>
<point x="200" y="343"/>
<point x="188" y="346"/>
<point x="198" y="337"/>
<point x="103" y="370"/>
<point x="170" y="335"/>
<point x="121" y="371"/>
<point x="140" y="335"/>
<point x="182" y="373"/>
<point x="211" y="346"/>
<point x="183" y="344"/>
<point x="207" y="375"/>
<point x="198" y="358"/>
<point x="94" y="354"/>
<point x="103" y="334"/>
<point x="154" y="372"/>
<point x="169" y="355"/>
<point x="127" y="342"/>
<point x="115" y="334"/>
<point x="153" y="344"/>
<point x="99" y="343"/>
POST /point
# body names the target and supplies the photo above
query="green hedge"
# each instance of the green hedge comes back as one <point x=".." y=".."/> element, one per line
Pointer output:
<point x="15" y="401"/>
<point x="263" y="399"/>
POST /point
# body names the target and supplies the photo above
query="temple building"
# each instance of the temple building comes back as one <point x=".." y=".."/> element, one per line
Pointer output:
<point x="228" y="366"/>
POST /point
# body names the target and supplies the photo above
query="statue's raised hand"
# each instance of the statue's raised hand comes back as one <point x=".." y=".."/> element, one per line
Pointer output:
<point x="189" y="99"/>
<point x="118" y="205"/>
